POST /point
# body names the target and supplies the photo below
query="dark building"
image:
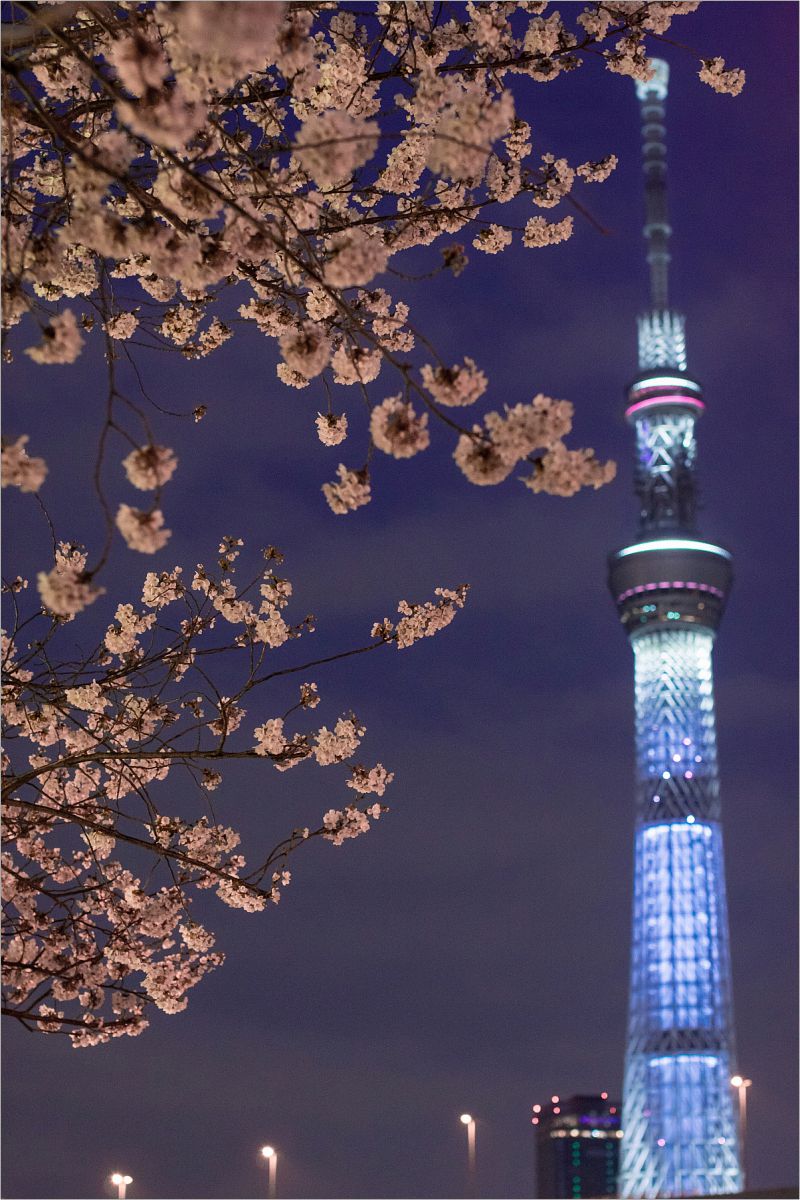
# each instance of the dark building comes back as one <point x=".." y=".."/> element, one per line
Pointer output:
<point x="577" y="1147"/>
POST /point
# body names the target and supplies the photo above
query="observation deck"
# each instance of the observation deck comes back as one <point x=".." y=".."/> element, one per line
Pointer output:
<point x="674" y="582"/>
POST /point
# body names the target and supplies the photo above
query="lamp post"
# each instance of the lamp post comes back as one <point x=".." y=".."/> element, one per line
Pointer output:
<point x="121" y="1184"/>
<point x="469" y="1121"/>
<point x="271" y="1155"/>
<point x="741" y="1086"/>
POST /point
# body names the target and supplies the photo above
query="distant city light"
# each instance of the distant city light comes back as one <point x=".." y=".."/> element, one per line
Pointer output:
<point x="271" y="1155"/>
<point x="554" y="1099"/>
<point x="537" y="1108"/>
<point x="604" y="1095"/>
<point x="465" y="1119"/>
<point x="556" y="1109"/>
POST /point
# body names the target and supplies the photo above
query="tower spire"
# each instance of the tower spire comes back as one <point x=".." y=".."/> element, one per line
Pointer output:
<point x="652" y="96"/>
<point x="662" y="340"/>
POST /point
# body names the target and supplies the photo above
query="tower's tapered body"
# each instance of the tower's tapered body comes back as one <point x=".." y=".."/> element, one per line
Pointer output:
<point x="670" y="587"/>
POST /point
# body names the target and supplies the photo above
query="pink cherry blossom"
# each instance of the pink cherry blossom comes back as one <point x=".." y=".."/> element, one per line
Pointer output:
<point x="424" y="620"/>
<point x="150" y="466"/>
<point x="455" y="386"/>
<point x="331" y="429"/>
<point x="480" y="460"/>
<point x="18" y="470"/>
<point x="350" y="492"/>
<point x="375" y="779"/>
<point x="61" y="340"/>
<point x="598" y="172"/>
<point x="142" y="531"/>
<point x="728" y="82"/>
<point x="397" y="429"/>
<point x="354" y="258"/>
<point x="332" y="144"/>
<point x="122" y="326"/>
<point x="540" y="232"/>
<point x="563" y="472"/>
<point x="306" y="349"/>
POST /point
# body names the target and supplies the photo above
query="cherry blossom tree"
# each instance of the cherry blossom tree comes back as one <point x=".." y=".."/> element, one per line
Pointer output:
<point x="173" y="171"/>
<point x="91" y="941"/>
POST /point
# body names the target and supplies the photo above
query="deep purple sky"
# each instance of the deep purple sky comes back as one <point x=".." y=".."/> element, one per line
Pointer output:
<point x="472" y="951"/>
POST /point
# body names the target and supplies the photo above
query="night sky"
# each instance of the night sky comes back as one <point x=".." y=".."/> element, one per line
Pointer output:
<point x="470" y="953"/>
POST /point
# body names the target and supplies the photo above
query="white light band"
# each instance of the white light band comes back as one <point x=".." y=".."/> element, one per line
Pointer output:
<point x="673" y="544"/>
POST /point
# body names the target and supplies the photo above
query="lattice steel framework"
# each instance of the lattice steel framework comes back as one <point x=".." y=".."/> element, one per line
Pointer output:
<point x="680" y="1131"/>
<point x="666" y="450"/>
<point x="676" y="747"/>
<point x="662" y="340"/>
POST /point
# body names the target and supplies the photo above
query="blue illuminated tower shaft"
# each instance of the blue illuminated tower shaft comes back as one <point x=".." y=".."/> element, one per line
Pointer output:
<point x="670" y="586"/>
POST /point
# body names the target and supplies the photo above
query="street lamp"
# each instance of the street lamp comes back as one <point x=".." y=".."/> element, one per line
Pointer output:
<point x="121" y="1184"/>
<point x="469" y="1121"/>
<point x="741" y="1086"/>
<point x="271" y="1155"/>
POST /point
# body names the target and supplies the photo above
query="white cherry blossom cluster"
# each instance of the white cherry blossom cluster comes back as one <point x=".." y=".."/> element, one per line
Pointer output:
<point x="455" y="387"/>
<point x="122" y="326"/>
<point x="350" y="822"/>
<point x="150" y="466"/>
<point x="493" y="239"/>
<point x="598" y="172"/>
<point x="66" y="590"/>
<point x="61" y="341"/>
<point x="331" y="429"/>
<point x="421" y="620"/>
<point x="397" y="429"/>
<point x="563" y="472"/>
<point x="19" y="470"/>
<point x="728" y="82"/>
<point x="374" y="780"/>
<point x="142" y="531"/>
<point x="350" y="491"/>
<point x="541" y="232"/>
<point x="527" y="432"/>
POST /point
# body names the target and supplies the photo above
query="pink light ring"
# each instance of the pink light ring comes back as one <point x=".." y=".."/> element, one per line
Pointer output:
<point x="672" y="587"/>
<point x="671" y="398"/>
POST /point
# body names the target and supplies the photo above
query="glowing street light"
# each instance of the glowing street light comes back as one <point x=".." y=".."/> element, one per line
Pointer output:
<point x="469" y="1121"/>
<point x="121" y="1184"/>
<point x="271" y="1155"/>
<point x="741" y="1086"/>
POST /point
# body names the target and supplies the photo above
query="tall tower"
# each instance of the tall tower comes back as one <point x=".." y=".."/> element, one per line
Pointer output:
<point x="670" y="588"/>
